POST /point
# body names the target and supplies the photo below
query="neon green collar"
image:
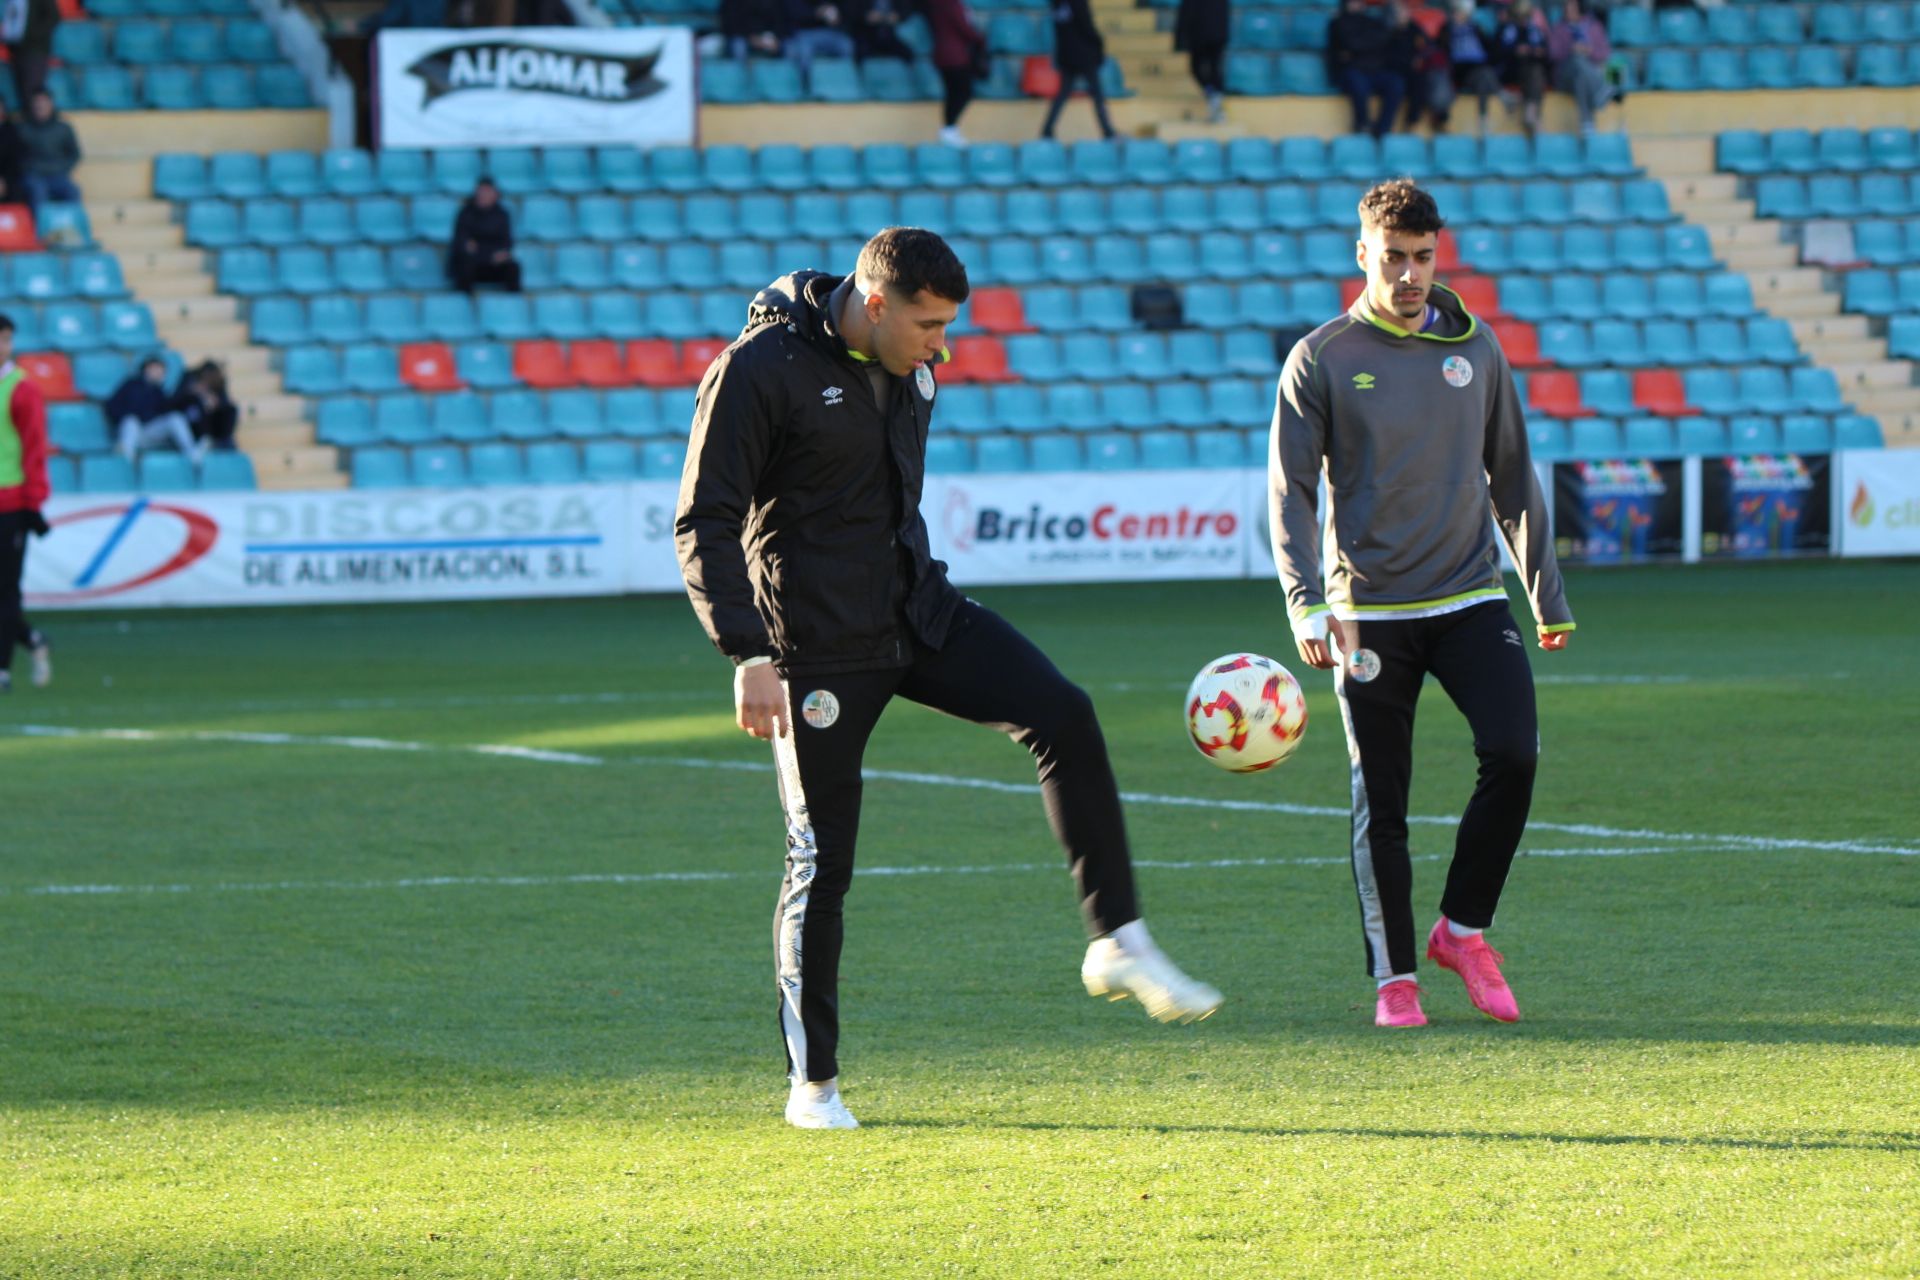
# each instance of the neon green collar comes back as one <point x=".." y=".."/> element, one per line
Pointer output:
<point x="1365" y="312"/>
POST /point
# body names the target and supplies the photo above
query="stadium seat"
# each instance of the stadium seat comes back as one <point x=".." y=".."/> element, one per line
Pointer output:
<point x="517" y="415"/>
<point x="429" y="366"/>
<point x="349" y="172"/>
<point x="237" y="175"/>
<point x="496" y="463"/>
<point x="1752" y="433"/>
<point x="404" y="173"/>
<point x="663" y="459"/>
<point x="1555" y="393"/>
<point x="403" y="418"/>
<point x="1852" y="431"/>
<point x="1607" y="391"/>
<point x="1806" y="433"/>
<point x="337" y="319"/>
<point x="1700" y="435"/>
<point x="437" y="466"/>
<point x="542" y="363"/>
<point x="1711" y="391"/>
<point x="607" y="461"/>
<point x="54" y="374"/>
<point x="459" y="416"/>
<point x="1660" y="391"/>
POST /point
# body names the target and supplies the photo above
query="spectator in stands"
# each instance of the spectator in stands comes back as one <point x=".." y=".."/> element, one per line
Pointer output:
<point x="816" y="31"/>
<point x="202" y="400"/>
<point x="23" y="490"/>
<point x="140" y="415"/>
<point x="878" y="32"/>
<point x="1360" y="63"/>
<point x="1579" y="49"/>
<point x="1429" y="78"/>
<point x="482" y="248"/>
<point x="1201" y="30"/>
<point x="1078" y="54"/>
<point x="27" y="30"/>
<point x="754" y="28"/>
<point x="10" y="191"/>
<point x="406" y="13"/>
<point x="1523" y="49"/>
<point x="1473" y="69"/>
<point x="49" y="151"/>
<point x="960" y="55"/>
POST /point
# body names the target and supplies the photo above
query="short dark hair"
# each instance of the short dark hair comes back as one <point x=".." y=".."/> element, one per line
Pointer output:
<point x="6" y="323"/>
<point x="1400" y="205"/>
<point x="905" y="260"/>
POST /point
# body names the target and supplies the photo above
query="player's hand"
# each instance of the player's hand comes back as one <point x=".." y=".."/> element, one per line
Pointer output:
<point x="37" y="524"/>
<point x="760" y="701"/>
<point x="1326" y="653"/>
<point x="1553" y="641"/>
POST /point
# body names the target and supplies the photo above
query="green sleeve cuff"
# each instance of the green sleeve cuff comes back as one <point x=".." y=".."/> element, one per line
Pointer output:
<point x="1560" y="626"/>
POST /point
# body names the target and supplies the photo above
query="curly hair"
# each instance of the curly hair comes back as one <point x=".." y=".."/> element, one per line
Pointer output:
<point x="1400" y="205"/>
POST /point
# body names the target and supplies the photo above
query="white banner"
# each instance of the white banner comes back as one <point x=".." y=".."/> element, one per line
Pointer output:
<point x="1090" y="526"/>
<point x="535" y="86"/>
<point x="1878" y="502"/>
<point x="351" y="547"/>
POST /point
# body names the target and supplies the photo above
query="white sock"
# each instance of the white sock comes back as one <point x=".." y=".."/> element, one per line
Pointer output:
<point x="1132" y="937"/>
<point x="818" y="1090"/>
<point x="1398" y="977"/>
<point x="1461" y="931"/>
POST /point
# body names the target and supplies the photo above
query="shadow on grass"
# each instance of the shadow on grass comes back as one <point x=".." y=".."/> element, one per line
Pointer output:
<point x="1847" y="1142"/>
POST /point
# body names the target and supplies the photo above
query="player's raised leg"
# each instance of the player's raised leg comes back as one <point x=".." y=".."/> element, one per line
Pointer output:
<point x="990" y="674"/>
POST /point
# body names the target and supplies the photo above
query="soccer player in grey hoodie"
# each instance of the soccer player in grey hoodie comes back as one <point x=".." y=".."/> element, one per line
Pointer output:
<point x="1407" y="406"/>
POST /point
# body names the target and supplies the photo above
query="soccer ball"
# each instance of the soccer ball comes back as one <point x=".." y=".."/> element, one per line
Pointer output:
<point x="1245" y="713"/>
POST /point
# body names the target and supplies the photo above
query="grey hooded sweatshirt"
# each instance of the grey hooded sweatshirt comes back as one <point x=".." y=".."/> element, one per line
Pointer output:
<point x="1424" y="446"/>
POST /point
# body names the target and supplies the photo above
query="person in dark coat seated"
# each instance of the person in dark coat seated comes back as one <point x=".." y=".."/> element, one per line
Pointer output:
<point x="1201" y="31"/>
<point x="1079" y="53"/>
<point x="482" y="248"/>
<point x="140" y="414"/>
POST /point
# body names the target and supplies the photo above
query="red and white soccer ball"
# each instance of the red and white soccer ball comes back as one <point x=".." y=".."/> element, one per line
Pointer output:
<point x="1245" y="713"/>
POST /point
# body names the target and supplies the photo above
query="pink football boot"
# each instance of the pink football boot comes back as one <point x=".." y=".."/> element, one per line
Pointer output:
<point x="1478" y="966"/>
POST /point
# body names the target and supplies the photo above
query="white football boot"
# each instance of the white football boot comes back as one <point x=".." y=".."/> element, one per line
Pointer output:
<point x="42" y="657"/>
<point x="1127" y="963"/>
<point x="817" y="1106"/>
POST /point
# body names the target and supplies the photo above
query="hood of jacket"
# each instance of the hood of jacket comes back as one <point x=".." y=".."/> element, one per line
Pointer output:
<point x="1454" y="324"/>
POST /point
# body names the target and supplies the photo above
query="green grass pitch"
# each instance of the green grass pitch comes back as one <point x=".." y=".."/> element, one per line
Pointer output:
<point x="346" y="998"/>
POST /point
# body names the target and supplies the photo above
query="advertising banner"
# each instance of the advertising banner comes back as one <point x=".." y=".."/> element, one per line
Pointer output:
<point x="1617" y="511"/>
<point x="1118" y="526"/>
<point x="1879" y="492"/>
<point x="1764" y="505"/>
<point x="535" y="86"/>
<point x="309" y="548"/>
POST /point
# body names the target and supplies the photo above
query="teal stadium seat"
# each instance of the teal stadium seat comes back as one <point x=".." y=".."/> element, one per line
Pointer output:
<point x="608" y="461"/>
<point x="227" y="470"/>
<point x="496" y="463"/>
<point x="106" y="473"/>
<point x="437" y="466"/>
<point x="553" y="462"/>
<point x="621" y="169"/>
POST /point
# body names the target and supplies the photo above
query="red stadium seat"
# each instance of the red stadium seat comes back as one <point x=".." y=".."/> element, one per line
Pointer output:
<point x="1663" y="392"/>
<point x="1480" y="293"/>
<point x="1521" y="342"/>
<point x="52" y="373"/>
<point x="999" y="311"/>
<point x="1555" y="393"/>
<point x="1446" y="257"/>
<point x="652" y="362"/>
<point x="977" y="359"/>
<point x="1039" y="78"/>
<point x="696" y="354"/>
<point x="598" y="364"/>
<point x="542" y="363"/>
<point x="1351" y="287"/>
<point x="16" y="228"/>
<point x="429" y="366"/>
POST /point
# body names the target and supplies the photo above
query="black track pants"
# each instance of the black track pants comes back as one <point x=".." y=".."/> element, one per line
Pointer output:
<point x="15" y="630"/>
<point x="1479" y="656"/>
<point x="990" y="674"/>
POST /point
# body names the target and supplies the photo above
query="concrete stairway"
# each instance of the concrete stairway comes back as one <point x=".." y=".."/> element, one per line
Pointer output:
<point x="177" y="284"/>
<point x="1155" y="73"/>
<point x="1808" y="297"/>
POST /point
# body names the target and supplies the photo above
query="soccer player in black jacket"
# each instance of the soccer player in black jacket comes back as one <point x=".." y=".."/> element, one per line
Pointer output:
<point x="800" y="537"/>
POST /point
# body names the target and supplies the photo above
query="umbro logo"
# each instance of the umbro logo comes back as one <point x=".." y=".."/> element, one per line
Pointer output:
<point x="832" y="395"/>
<point x="1363" y="382"/>
<point x="1512" y="637"/>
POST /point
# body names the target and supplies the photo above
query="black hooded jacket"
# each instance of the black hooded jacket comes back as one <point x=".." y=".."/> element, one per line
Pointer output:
<point x="798" y="527"/>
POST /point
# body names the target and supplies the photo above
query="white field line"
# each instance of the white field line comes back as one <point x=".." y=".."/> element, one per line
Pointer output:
<point x="1691" y="839"/>
<point x="457" y="702"/>
<point x="701" y="877"/>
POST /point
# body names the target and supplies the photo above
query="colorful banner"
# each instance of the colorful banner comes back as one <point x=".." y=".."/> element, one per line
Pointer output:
<point x="1879" y="496"/>
<point x="535" y="86"/>
<point x="307" y="548"/>
<point x="1617" y="511"/>
<point x="1117" y="526"/>
<point x="1764" y="505"/>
